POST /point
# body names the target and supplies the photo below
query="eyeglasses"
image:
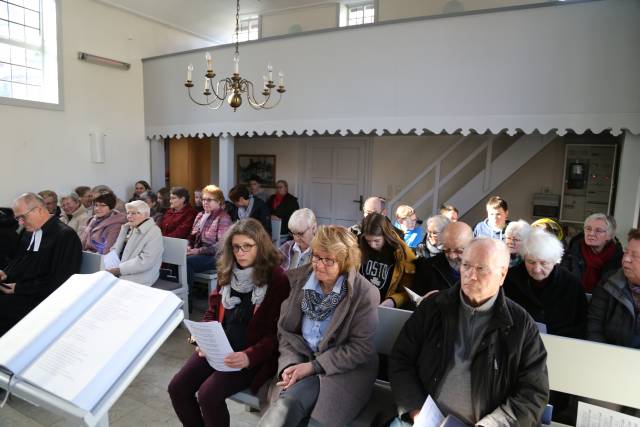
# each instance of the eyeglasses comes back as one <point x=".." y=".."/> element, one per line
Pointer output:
<point x="533" y="263"/>
<point x="22" y="217"/>
<point x="589" y="229"/>
<point x="513" y="239"/>
<point x="298" y="234"/>
<point x="133" y="213"/>
<point x="244" y="248"/>
<point x="433" y="233"/>
<point x="100" y="205"/>
<point x="456" y="251"/>
<point x="208" y="199"/>
<point x="327" y="262"/>
<point x="481" y="270"/>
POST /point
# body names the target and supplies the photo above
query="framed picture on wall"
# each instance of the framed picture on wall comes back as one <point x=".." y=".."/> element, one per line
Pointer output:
<point x="261" y="165"/>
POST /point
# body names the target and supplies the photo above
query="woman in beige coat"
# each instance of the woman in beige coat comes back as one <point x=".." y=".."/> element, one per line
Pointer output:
<point x="328" y="362"/>
<point x="139" y="246"/>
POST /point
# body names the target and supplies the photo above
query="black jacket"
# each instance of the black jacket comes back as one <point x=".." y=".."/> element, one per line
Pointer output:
<point x="574" y="262"/>
<point x="561" y="304"/>
<point x="508" y="370"/>
<point x="612" y="314"/>
<point x="8" y="238"/>
<point x="284" y="210"/>
<point x="260" y="212"/>
<point x="432" y="274"/>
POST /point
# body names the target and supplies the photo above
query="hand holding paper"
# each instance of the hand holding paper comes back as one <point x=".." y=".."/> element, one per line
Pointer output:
<point x="213" y="342"/>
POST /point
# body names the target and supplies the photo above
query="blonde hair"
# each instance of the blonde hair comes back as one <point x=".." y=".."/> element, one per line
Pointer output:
<point x="339" y="242"/>
<point x="404" y="211"/>
<point x="215" y="192"/>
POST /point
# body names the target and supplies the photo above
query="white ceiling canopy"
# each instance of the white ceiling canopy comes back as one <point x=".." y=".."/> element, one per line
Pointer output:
<point x="209" y="19"/>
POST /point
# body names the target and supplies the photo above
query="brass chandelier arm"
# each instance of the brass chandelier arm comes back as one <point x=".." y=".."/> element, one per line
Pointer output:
<point x="263" y="105"/>
<point x="202" y="104"/>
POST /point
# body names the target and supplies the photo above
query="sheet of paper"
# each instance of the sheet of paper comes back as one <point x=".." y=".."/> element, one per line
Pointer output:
<point x="85" y="361"/>
<point x="417" y="299"/>
<point x="430" y="415"/>
<point x="213" y="342"/>
<point x="111" y="260"/>
<point x="595" y="416"/>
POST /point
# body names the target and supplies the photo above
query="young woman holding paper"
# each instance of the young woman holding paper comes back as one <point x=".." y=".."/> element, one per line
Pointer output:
<point x="251" y="288"/>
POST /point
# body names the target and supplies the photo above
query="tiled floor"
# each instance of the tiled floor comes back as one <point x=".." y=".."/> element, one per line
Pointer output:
<point x="145" y="403"/>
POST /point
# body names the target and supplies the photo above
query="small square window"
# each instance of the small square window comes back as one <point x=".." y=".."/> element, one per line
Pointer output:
<point x="249" y="28"/>
<point x="362" y="13"/>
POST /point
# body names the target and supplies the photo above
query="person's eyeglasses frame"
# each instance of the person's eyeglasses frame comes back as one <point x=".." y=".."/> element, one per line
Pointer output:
<point x="299" y="234"/>
<point x="246" y="248"/>
<point x="23" y="216"/>
<point x="327" y="262"/>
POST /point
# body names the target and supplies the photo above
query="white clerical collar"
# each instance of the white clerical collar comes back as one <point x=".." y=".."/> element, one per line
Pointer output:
<point x="36" y="238"/>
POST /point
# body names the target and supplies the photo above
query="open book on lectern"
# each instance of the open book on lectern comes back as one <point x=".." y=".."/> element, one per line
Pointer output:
<point x="79" y="341"/>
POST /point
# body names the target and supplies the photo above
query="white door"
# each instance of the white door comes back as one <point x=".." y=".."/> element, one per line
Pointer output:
<point x="336" y="178"/>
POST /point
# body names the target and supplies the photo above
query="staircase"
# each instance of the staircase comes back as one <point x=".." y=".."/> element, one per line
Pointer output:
<point x="483" y="168"/>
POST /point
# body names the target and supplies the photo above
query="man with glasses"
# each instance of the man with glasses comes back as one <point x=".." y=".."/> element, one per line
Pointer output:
<point x="442" y="271"/>
<point x="302" y="228"/>
<point x="49" y="252"/>
<point x="476" y="353"/>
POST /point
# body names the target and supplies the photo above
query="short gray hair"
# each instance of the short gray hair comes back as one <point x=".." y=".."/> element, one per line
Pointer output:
<point x="608" y="219"/>
<point x="439" y="221"/>
<point x="542" y="245"/>
<point x="520" y="229"/>
<point x="302" y="219"/>
<point x="139" y="205"/>
<point x="499" y="251"/>
<point x="72" y="196"/>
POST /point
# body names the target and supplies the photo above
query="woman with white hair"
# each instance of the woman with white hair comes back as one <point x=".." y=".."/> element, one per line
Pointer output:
<point x="594" y="254"/>
<point x="302" y="228"/>
<point x="73" y="213"/>
<point x="432" y="243"/>
<point x="514" y="235"/>
<point x="545" y="289"/>
<point x="139" y="246"/>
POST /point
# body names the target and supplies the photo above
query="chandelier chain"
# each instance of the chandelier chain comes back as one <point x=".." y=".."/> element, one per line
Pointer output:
<point x="237" y="25"/>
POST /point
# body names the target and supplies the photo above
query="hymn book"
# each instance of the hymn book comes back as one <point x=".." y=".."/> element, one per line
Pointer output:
<point x="79" y="341"/>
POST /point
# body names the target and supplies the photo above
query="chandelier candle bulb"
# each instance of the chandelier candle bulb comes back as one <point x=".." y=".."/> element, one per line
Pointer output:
<point x="236" y="64"/>
<point x="189" y="71"/>
<point x="206" y="84"/>
<point x="281" y="75"/>
<point x="270" y="70"/>
<point x="207" y="56"/>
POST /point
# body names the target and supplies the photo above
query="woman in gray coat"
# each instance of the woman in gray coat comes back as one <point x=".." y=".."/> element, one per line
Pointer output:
<point x="328" y="362"/>
<point x="139" y="246"/>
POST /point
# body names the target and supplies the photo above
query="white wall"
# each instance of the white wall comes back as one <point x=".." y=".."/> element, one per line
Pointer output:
<point x="398" y="9"/>
<point x="304" y="19"/>
<point x="50" y="149"/>
<point x="627" y="210"/>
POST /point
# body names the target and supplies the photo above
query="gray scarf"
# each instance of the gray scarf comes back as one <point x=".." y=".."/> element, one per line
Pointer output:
<point x="242" y="281"/>
<point x="244" y="212"/>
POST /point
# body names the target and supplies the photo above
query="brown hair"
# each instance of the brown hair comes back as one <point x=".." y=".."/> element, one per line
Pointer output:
<point x="237" y="192"/>
<point x="268" y="257"/>
<point x="446" y="207"/>
<point x="497" y="202"/>
<point x="108" y="199"/>
<point x="378" y="225"/>
<point x="634" y="234"/>
<point x="339" y="242"/>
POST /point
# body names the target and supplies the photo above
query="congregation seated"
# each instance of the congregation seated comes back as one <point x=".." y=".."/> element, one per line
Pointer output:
<point x="138" y="246"/>
<point x="327" y="364"/>
<point x="86" y="198"/>
<point x="297" y="252"/>
<point x="549" y="293"/>
<point x="249" y="206"/>
<point x="497" y="219"/>
<point x="48" y="253"/>
<point x="73" y="213"/>
<point x="103" y="228"/>
<point x="51" y="202"/>
<point x="282" y="204"/>
<point x="387" y="262"/>
<point x="594" y="254"/>
<point x="178" y="219"/>
<point x="101" y="189"/>
<point x="207" y="233"/>
<point x="373" y="204"/>
<point x="256" y="189"/>
<point x="155" y="210"/>
<point x="8" y="238"/>
<point x="443" y="270"/>
<point x="407" y="221"/>
<point x="514" y="235"/>
<point x="478" y="354"/>
<point x="450" y="211"/>
<point x="251" y="289"/>
<point x="138" y="189"/>
<point x="431" y="245"/>
<point x="615" y="306"/>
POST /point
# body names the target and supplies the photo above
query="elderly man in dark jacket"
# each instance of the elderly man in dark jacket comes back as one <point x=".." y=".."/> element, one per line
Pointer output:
<point x="48" y="254"/>
<point x="475" y="352"/>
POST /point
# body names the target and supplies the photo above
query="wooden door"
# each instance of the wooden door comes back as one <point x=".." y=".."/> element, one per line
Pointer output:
<point x="190" y="163"/>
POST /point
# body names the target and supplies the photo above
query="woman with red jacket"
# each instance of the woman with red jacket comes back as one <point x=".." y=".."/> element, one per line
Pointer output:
<point x="178" y="220"/>
<point x="251" y="288"/>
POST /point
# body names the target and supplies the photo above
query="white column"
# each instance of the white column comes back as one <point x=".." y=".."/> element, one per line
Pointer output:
<point x="628" y="193"/>
<point x="226" y="162"/>
<point x="157" y="158"/>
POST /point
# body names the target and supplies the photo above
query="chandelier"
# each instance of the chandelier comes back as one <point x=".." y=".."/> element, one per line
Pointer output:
<point x="232" y="88"/>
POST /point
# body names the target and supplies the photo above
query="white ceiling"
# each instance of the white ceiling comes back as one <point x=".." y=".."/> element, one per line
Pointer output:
<point x="210" y="19"/>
